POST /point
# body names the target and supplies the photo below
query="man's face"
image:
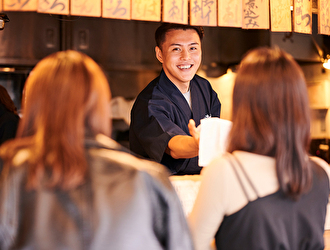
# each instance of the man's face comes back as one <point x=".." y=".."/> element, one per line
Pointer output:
<point x="181" y="56"/>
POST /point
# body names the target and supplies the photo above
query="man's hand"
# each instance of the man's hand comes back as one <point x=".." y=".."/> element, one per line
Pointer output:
<point x="185" y="146"/>
<point x="195" y="132"/>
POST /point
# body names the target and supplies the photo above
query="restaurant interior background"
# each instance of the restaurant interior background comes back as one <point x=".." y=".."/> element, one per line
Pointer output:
<point x="125" y="50"/>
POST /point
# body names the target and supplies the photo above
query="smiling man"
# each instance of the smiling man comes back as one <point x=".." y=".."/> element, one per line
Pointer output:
<point x="162" y="111"/>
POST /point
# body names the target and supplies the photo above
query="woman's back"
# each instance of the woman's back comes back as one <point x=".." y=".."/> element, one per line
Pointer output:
<point x="241" y="206"/>
<point x="275" y="221"/>
<point x="271" y="120"/>
<point x="127" y="203"/>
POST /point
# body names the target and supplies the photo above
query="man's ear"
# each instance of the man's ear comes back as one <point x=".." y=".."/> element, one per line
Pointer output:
<point x="159" y="54"/>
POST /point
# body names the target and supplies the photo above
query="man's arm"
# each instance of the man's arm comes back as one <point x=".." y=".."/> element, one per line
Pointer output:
<point x="185" y="146"/>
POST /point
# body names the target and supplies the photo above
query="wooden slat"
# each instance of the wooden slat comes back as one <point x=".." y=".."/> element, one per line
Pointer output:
<point x="230" y="13"/>
<point x="280" y="13"/>
<point x="146" y="10"/>
<point x="324" y="17"/>
<point x="302" y="16"/>
<point x="20" y="5"/>
<point x="60" y="7"/>
<point x="203" y="12"/>
<point x="86" y="8"/>
<point x="175" y="11"/>
<point x="255" y="14"/>
<point x="119" y="9"/>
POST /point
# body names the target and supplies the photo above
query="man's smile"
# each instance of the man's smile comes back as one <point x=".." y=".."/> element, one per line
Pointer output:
<point x="185" y="66"/>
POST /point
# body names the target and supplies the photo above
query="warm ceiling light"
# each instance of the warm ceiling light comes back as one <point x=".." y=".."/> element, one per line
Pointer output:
<point x="326" y="62"/>
<point x="7" y="69"/>
<point x="3" y="19"/>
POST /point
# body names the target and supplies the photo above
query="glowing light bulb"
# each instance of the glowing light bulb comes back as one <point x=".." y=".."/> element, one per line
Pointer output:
<point x="326" y="64"/>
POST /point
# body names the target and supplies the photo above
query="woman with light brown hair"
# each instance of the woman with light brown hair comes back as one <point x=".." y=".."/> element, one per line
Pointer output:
<point x="66" y="184"/>
<point x="266" y="192"/>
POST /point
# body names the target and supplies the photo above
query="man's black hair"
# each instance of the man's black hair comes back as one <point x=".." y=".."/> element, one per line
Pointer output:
<point x="165" y="27"/>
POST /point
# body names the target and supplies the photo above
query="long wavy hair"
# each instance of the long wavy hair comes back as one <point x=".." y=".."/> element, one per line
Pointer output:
<point x="271" y="115"/>
<point x="66" y="98"/>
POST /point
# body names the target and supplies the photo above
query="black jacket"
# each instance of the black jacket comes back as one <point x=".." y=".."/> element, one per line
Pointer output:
<point x="8" y="124"/>
<point x="126" y="203"/>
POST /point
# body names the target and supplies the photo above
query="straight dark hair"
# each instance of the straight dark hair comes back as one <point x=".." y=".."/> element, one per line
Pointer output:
<point x="166" y="27"/>
<point x="271" y="115"/>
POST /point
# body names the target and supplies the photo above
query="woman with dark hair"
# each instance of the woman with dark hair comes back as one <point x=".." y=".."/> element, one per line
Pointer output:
<point x="266" y="192"/>
<point x="9" y="118"/>
<point x="66" y="185"/>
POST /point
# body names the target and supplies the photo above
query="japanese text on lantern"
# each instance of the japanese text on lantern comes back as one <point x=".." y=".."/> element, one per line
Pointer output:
<point x="302" y="13"/>
<point x="120" y="9"/>
<point x="255" y="14"/>
<point x="175" y="11"/>
<point x="323" y="17"/>
<point x="20" y="5"/>
<point x="60" y="7"/>
<point x="147" y="10"/>
<point x="230" y="13"/>
<point x="86" y="8"/>
<point x="280" y="15"/>
<point x="203" y="12"/>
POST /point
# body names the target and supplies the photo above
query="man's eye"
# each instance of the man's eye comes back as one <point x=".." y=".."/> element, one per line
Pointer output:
<point x="193" y="48"/>
<point x="176" y="49"/>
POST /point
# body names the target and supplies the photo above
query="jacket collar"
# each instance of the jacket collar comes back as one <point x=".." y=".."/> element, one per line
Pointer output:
<point x="175" y="95"/>
<point x="103" y="141"/>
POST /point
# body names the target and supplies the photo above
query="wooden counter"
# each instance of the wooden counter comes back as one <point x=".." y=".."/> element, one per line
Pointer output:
<point x="327" y="240"/>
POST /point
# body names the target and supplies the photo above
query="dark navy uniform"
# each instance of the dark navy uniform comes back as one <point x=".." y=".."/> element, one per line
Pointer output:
<point x="161" y="112"/>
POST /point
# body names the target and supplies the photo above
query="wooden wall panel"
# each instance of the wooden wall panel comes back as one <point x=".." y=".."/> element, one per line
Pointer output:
<point x="18" y="5"/>
<point x="60" y="7"/>
<point x="302" y="13"/>
<point x="255" y="14"/>
<point x="146" y="10"/>
<point x="175" y="11"/>
<point x="86" y="8"/>
<point x="324" y="17"/>
<point x="203" y="12"/>
<point x="280" y="15"/>
<point x="230" y="13"/>
<point x="119" y="9"/>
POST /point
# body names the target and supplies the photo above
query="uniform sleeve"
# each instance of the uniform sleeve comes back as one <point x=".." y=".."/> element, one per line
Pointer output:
<point x="153" y="126"/>
<point x="211" y="97"/>
<point x="8" y="130"/>
<point x="215" y="105"/>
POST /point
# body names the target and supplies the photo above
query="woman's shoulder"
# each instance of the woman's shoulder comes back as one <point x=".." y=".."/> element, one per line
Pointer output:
<point x="251" y="162"/>
<point x="319" y="161"/>
<point x="13" y="172"/>
<point x="322" y="163"/>
<point x="238" y="169"/>
<point x="115" y="155"/>
<point x="219" y="169"/>
<point x="17" y="162"/>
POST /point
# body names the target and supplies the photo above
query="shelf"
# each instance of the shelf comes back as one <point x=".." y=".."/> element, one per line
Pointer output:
<point x="314" y="107"/>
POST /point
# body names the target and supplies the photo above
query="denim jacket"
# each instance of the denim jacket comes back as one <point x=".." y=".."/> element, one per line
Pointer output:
<point x="125" y="203"/>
